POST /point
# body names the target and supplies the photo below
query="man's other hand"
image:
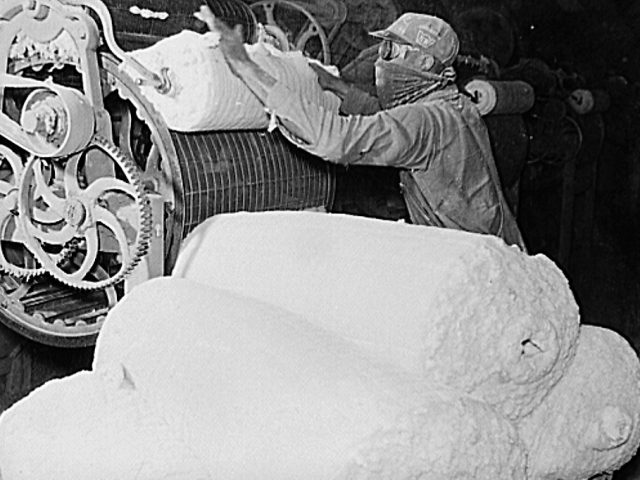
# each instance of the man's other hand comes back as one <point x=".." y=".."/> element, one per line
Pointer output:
<point x="329" y="81"/>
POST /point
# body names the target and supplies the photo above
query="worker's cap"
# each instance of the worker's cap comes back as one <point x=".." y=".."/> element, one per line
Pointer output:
<point x="431" y="34"/>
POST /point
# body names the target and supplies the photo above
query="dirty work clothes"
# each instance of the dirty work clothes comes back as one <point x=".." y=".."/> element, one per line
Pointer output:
<point x="359" y="102"/>
<point x="450" y="179"/>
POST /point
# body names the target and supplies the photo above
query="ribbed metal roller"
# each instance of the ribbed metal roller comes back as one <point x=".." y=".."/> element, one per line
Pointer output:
<point x="140" y="23"/>
<point x="246" y="170"/>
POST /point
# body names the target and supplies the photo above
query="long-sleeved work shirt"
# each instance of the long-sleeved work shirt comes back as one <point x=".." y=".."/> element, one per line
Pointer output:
<point x="441" y="145"/>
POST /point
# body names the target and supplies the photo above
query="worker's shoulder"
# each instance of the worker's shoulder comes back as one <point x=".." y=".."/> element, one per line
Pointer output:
<point x="453" y="104"/>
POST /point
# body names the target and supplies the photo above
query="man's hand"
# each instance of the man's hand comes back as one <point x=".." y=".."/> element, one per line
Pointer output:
<point x="232" y="47"/>
<point x="231" y="40"/>
<point x="329" y="81"/>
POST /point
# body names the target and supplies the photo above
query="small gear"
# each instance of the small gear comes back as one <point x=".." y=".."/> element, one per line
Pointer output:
<point x="108" y="214"/>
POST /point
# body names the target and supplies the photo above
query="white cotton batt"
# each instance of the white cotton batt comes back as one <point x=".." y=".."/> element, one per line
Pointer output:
<point x="463" y="309"/>
<point x="242" y="390"/>
<point x="82" y="427"/>
<point x="259" y="393"/>
<point x="590" y="422"/>
<point x="256" y="391"/>
<point x="206" y="95"/>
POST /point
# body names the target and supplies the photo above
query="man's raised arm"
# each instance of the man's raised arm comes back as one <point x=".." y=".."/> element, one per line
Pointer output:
<point x="232" y="45"/>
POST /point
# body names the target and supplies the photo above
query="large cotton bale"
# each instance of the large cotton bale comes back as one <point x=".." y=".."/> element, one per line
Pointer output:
<point x="590" y="422"/>
<point x="206" y="95"/>
<point x="464" y="309"/>
<point x="248" y="391"/>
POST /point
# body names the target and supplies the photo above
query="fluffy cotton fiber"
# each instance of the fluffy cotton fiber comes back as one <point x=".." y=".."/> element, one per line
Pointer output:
<point x="191" y="381"/>
<point x="206" y="95"/>
<point x="463" y="309"/>
<point x="88" y="427"/>
<point x="254" y="392"/>
<point x="590" y="422"/>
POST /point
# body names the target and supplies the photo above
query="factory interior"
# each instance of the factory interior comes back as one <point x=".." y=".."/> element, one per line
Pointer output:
<point x="564" y="132"/>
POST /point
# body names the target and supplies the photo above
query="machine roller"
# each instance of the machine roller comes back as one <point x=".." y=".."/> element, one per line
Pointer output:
<point x="96" y="192"/>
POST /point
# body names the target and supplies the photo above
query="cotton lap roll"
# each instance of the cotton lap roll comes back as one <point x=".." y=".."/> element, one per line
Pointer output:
<point x="590" y="422"/>
<point x="282" y="398"/>
<point x="464" y="309"/>
<point x="242" y="390"/>
<point x="206" y="95"/>
<point x="584" y="101"/>
<point x="260" y="393"/>
<point x="494" y="97"/>
<point x="83" y="427"/>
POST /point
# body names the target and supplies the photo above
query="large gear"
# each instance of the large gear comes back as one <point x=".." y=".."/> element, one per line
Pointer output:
<point x="42" y="308"/>
<point x="108" y="218"/>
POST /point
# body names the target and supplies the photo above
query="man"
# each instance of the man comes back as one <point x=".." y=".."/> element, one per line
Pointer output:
<point x="427" y="128"/>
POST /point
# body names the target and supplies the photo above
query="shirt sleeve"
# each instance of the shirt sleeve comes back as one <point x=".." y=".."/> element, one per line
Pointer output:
<point x="358" y="102"/>
<point x="399" y="137"/>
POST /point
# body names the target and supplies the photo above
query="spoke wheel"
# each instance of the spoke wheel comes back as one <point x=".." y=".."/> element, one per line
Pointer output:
<point x="292" y="27"/>
<point x="105" y="222"/>
<point x="40" y="307"/>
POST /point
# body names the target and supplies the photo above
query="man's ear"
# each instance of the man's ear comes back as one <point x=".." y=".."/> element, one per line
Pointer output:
<point x="428" y="62"/>
<point x="611" y="428"/>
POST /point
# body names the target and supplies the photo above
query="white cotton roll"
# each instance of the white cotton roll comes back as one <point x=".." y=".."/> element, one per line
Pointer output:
<point x="82" y="427"/>
<point x="259" y="393"/>
<point x="206" y="95"/>
<point x="191" y="382"/>
<point x="590" y="422"/>
<point x="462" y="308"/>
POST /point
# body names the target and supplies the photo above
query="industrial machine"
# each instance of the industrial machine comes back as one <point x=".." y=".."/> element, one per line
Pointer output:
<point x="96" y="193"/>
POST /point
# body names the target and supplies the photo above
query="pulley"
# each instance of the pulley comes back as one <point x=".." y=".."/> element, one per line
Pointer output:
<point x="58" y="122"/>
<point x="55" y="121"/>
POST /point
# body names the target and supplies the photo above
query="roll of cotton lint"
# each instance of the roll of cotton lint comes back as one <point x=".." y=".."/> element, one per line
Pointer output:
<point x="206" y="95"/>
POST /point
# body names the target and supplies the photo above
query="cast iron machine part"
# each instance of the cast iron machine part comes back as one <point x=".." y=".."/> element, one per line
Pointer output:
<point x="299" y="24"/>
<point x="96" y="193"/>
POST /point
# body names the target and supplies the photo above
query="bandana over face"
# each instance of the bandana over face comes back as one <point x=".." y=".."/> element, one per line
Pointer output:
<point x="406" y="74"/>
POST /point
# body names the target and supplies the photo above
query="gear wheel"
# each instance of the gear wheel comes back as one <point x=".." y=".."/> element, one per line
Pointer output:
<point x="14" y="258"/>
<point x="104" y="221"/>
<point x="42" y="308"/>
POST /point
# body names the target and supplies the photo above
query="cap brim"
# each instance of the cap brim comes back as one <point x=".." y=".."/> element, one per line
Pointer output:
<point x="387" y="35"/>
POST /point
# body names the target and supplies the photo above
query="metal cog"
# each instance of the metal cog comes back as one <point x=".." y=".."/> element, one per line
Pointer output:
<point x="162" y="179"/>
<point x="88" y="219"/>
<point x="11" y="235"/>
<point x="44" y="309"/>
